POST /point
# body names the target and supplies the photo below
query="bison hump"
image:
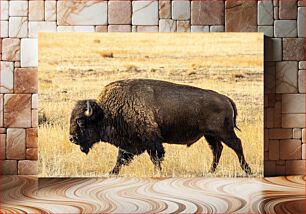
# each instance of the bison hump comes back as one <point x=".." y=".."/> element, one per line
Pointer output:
<point x="131" y="112"/>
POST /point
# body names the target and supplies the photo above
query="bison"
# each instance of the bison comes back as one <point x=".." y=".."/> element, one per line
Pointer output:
<point x="139" y="115"/>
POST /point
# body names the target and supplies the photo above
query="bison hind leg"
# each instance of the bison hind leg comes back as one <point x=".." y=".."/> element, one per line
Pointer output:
<point x="234" y="143"/>
<point x="156" y="153"/>
<point x="216" y="148"/>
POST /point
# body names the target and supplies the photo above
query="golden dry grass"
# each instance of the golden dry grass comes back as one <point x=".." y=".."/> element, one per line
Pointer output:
<point x="73" y="67"/>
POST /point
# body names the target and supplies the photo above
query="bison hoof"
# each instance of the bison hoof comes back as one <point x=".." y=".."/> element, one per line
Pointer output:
<point x="212" y="171"/>
<point x="113" y="172"/>
<point x="248" y="170"/>
<point x="212" y="168"/>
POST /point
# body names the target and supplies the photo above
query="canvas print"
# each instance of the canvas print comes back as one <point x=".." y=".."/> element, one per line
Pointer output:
<point x="151" y="104"/>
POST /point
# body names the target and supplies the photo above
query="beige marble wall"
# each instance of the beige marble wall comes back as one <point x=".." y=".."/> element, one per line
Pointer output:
<point x="282" y="21"/>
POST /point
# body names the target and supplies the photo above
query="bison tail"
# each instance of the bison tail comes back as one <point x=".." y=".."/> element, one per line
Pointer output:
<point x="235" y="113"/>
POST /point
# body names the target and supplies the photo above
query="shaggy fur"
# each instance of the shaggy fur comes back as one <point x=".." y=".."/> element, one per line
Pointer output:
<point x="140" y="115"/>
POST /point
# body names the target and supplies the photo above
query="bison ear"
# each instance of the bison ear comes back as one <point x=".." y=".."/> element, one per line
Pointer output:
<point x="88" y="111"/>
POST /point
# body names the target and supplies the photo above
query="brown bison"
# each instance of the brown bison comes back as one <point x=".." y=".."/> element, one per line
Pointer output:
<point x="140" y="115"/>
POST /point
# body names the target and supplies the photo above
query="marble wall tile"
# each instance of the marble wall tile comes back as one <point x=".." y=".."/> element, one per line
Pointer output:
<point x="239" y="16"/>
<point x="293" y="120"/>
<point x="275" y="3"/>
<point x="293" y="49"/>
<point x="1" y="114"/>
<point x="265" y="12"/>
<point x="286" y="77"/>
<point x="26" y="80"/>
<point x="17" y="110"/>
<point x="267" y="30"/>
<point x="15" y="144"/>
<point x="101" y="28"/>
<point x="76" y="28"/>
<point x="34" y="119"/>
<point x="277" y="118"/>
<point x="295" y="167"/>
<point x="302" y="65"/>
<point x="164" y="9"/>
<point x="290" y="149"/>
<point x="207" y="12"/>
<point x="303" y="151"/>
<point x="199" y="28"/>
<point x="167" y="25"/>
<point x="304" y="135"/>
<point x="301" y="3"/>
<point x="145" y="13"/>
<point x="17" y="64"/>
<point x="147" y="28"/>
<point x="275" y="13"/>
<point x="301" y="81"/>
<point x="293" y="103"/>
<point x="183" y="26"/>
<point x="35" y="27"/>
<point x="279" y="133"/>
<point x="4" y="29"/>
<point x="92" y="12"/>
<point x="119" y="28"/>
<point x="181" y="10"/>
<point x="287" y="9"/>
<point x="2" y="146"/>
<point x="285" y="28"/>
<point x="280" y="169"/>
<point x="11" y="49"/>
<point x="7" y="77"/>
<point x="18" y="27"/>
<point x="50" y="10"/>
<point x="301" y="22"/>
<point x="35" y="101"/>
<point x="36" y="10"/>
<point x="27" y="167"/>
<point x="32" y="154"/>
<point x="8" y="167"/>
<point x="4" y="9"/>
<point x="29" y="53"/>
<point x="31" y="138"/>
<point x="134" y="28"/>
<point x="1" y="110"/>
<point x="119" y="12"/>
<point x="297" y="133"/>
<point x="18" y="8"/>
<point x="216" y="28"/>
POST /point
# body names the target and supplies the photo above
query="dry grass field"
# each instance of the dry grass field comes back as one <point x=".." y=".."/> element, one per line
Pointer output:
<point x="77" y="66"/>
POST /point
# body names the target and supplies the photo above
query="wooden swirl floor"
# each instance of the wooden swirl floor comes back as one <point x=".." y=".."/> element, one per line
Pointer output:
<point x="139" y="195"/>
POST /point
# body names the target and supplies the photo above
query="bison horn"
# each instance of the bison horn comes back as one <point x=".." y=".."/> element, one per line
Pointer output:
<point x="88" y="111"/>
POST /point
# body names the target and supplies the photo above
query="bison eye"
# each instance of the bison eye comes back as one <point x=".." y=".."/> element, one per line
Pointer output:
<point x="80" y="122"/>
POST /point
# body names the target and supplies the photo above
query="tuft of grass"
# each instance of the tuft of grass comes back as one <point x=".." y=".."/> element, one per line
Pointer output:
<point x="106" y="54"/>
<point x="132" y="68"/>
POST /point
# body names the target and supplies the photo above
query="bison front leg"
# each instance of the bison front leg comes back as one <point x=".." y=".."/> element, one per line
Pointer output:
<point x="123" y="158"/>
<point x="157" y="153"/>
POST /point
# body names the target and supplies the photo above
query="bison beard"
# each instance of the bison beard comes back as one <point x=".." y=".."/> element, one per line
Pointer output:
<point x="140" y="115"/>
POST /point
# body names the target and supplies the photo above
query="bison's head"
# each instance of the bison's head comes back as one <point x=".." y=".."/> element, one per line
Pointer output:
<point x="85" y="123"/>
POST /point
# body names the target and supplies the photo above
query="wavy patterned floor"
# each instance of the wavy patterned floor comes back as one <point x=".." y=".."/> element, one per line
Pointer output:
<point x="137" y="195"/>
